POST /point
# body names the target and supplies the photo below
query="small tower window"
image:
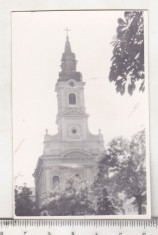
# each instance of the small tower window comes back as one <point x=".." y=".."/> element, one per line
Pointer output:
<point x="55" y="182"/>
<point x="72" y="98"/>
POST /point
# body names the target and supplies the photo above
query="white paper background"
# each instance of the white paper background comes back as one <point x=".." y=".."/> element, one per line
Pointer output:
<point x="6" y="6"/>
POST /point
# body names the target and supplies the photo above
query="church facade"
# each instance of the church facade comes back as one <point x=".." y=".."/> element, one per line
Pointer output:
<point x="73" y="151"/>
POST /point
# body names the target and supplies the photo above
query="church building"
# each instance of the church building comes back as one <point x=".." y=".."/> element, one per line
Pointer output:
<point x="73" y="151"/>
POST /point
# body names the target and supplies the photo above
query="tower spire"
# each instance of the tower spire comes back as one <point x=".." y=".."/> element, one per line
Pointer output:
<point x="67" y="44"/>
<point x="68" y="63"/>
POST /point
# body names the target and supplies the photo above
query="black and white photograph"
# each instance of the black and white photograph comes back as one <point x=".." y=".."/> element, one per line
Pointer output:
<point x="80" y="114"/>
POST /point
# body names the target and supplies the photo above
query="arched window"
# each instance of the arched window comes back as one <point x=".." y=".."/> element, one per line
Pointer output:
<point x="72" y="98"/>
<point x="55" y="182"/>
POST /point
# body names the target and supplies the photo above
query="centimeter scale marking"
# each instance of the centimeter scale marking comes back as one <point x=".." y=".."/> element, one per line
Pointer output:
<point x="82" y="223"/>
<point x="78" y="227"/>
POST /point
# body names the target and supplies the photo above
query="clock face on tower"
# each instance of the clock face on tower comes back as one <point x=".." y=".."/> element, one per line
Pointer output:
<point x="74" y="130"/>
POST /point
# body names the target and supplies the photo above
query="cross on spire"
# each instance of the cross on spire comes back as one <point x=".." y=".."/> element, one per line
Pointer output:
<point x="67" y="31"/>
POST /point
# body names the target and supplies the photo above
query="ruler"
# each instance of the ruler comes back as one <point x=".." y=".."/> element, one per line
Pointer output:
<point x="79" y="227"/>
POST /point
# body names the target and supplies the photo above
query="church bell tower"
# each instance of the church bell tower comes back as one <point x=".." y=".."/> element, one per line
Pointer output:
<point x="73" y="150"/>
<point x="71" y="118"/>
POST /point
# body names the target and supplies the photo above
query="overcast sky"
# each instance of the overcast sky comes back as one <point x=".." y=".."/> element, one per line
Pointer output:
<point x="38" y="40"/>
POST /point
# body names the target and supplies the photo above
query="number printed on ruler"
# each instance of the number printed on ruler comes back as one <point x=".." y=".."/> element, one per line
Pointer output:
<point x="72" y="233"/>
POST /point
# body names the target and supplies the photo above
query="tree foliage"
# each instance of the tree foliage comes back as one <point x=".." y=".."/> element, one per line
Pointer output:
<point x="73" y="199"/>
<point x="24" y="206"/>
<point x="78" y="198"/>
<point x="104" y="186"/>
<point x="106" y="205"/>
<point x="128" y="53"/>
<point x="121" y="169"/>
<point x="132" y="175"/>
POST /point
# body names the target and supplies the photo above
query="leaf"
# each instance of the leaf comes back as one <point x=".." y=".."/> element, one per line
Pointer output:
<point x="128" y="52"/>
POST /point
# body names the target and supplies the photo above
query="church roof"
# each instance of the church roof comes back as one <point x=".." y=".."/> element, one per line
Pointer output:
<point x="68" y="64"/>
